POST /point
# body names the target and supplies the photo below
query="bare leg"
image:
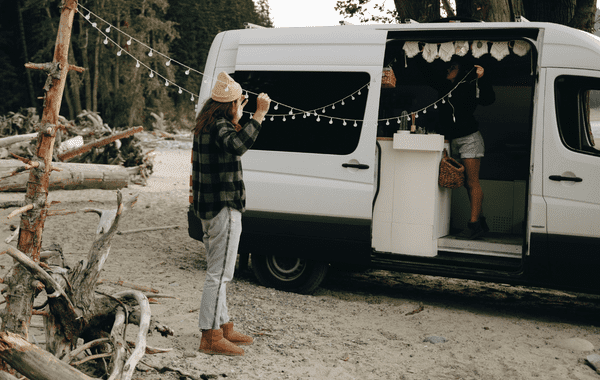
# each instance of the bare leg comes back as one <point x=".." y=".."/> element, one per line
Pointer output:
<point x="473" y="186"/>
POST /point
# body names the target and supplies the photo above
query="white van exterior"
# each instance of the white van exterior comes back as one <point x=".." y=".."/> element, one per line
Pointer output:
<point x="331" y="181"/>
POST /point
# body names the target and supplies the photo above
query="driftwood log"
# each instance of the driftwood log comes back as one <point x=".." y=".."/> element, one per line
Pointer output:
<point x="71" y="176"/>
<point x="6" y="141"/>
<point x="75" y="310"/>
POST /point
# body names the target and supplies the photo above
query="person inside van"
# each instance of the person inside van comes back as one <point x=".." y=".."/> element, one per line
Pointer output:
<point x="459" y="126"/>
<point x="219" y="200"/>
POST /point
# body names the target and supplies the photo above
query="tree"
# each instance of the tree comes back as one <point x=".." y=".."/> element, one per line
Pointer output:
<point x="575" y="13"/>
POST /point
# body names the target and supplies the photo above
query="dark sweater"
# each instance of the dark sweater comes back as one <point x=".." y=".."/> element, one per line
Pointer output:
<point x="456" y="114"/>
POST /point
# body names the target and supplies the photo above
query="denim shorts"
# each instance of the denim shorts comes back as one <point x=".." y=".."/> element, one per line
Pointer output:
<point x="470" y="146"/>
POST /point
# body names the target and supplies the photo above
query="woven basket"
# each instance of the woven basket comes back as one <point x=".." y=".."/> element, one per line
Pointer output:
<point x="388" y="79"/>
<point x="452" y="173"/>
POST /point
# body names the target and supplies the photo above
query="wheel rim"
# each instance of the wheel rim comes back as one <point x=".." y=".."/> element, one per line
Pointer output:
<point x="286" y="268"/>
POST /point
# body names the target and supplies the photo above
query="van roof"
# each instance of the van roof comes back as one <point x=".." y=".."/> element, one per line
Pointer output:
<point x="558" y="45"/>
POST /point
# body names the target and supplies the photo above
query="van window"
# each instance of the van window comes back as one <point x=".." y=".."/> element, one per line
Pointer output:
<point x="578" y="112"/>
<point x="342" y="95"/>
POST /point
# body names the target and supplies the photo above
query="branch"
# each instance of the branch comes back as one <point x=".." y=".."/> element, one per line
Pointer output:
<point x="147" y="229"/>
<point x="140" y="342"/>
<point x="20" y="211"/>
<point x="118" y="341"/>
<point x="98" y="143"/>
<point x="73" y="354"/>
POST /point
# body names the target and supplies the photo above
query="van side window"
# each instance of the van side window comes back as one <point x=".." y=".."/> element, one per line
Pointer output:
<point x="578" y="112"/>
<point x="336" y="99"/>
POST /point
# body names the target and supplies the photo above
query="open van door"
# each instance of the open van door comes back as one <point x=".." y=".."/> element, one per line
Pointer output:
<point x="571" y="177"/>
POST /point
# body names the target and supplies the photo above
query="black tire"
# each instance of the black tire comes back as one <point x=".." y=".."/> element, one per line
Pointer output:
<point x="289" y="273"/>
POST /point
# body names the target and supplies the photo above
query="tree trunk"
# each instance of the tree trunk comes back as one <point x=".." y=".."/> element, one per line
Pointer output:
<point x="75" y="83"/>
<point x="557" y="11"/>
<point x="25" y="55"/>
<point x="83" y="43"/>
<point x="117" y="61"/>
<point x="487" y="10"/>
<point x="96" y="75"/>
<point x="585" y="15"/>
<point x="418" y="10"/>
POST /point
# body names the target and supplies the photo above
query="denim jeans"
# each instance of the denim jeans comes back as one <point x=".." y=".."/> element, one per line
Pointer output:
<point x="221" y="239"/>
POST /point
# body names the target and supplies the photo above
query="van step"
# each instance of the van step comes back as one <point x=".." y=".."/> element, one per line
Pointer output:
<point x="493" y="244"/>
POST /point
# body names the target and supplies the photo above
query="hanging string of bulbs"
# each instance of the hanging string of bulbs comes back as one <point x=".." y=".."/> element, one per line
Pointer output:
<point x="293" y="111"/>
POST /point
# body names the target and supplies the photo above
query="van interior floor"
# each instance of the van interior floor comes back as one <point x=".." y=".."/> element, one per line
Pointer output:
<point x="491" y="244"/>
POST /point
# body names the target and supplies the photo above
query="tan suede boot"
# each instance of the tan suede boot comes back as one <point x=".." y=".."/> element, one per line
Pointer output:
<point x="234" y="336"/>
<point x="213" y="343"/>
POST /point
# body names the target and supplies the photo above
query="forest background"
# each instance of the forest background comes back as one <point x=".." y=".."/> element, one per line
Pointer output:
<point x="183" y="30"/>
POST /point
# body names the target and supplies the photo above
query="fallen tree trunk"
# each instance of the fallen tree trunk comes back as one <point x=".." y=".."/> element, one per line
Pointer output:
<point x="71" y="177"/>
<point x="98" y="143"/>
<point x="6" y="141"/>
<point x="38" y="364"/>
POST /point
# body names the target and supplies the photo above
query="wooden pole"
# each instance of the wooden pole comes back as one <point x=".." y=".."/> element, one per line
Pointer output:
<point x="20" y="294"/>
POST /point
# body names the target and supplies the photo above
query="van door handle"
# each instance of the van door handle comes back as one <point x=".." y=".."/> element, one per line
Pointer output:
<point x="357" y="166"/>
<point x="561" y="178"/>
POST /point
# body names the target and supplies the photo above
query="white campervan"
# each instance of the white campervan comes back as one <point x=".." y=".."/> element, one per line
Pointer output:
<point x="332" y="180"/>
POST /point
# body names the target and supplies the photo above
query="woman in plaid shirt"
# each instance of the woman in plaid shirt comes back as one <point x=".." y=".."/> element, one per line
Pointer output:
<point x="219" y="199"/>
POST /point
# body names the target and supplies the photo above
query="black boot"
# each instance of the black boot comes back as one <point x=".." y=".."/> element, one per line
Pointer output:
<point x="475" y="230"/>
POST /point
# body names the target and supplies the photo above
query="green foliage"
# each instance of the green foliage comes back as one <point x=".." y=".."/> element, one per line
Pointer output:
<point x="180" y="29"/>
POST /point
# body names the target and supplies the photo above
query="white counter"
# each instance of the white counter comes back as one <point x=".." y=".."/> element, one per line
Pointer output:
<point x="411" y="211"/>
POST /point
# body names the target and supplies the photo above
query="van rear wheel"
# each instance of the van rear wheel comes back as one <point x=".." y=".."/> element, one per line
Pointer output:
<point x="289" y="273"/>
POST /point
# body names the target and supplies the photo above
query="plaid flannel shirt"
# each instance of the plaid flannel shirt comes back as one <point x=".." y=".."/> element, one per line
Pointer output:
<point x="216" y="180"/>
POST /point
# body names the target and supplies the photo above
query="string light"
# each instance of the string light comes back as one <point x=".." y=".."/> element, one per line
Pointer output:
<point x="304" y="114"/>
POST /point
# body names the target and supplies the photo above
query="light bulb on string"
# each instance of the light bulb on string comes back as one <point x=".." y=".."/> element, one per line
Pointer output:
<point x="333" y="107"/>
<point x="94" y="24"/>
<point x="192" y="98"/>
<point x="168" y="63"/>
<point x="398" y="121"/>
<point x="105" y="41"/>
<point x="387" y="122"/>
<point x="358" y="93"/>
<point x="416" y="115"/>
<point x="284" y="118"/>
<point x="166" y="82"/>
<point x="330" y="121"/>
<point x="272" y="118"/>
<point x="129" y="41"/>
<point x="119" y="53"/>
<point x="150" y="53"/>
<point x="151" y="75"/>
<point x="353" y="98"/>
<point x="450" y="95"/>
<point x="304" y="116"/>
<point x="137" y="64"/>
<point x="343" y="103"/>
<point x="187" y="72"/>
<point x="88" y="16"/>
<point x="435" y="106"/>
<point x="344" y="123"/>
<point x="425" y="110"/>
<point x="293" y="117"/>
<point x="356" y="125"/>
<point x="291" y="112"/>
<point x="180" y="90"/>
<point x="318" y="118"/>
<point x="276" y="107"/>
<point x="107" y="30"/>
<point x="323" y="110"/>
<point x="443" y="101"/>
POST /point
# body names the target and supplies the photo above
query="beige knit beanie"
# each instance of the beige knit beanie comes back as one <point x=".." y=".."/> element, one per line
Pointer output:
<point x="226" y="89"/>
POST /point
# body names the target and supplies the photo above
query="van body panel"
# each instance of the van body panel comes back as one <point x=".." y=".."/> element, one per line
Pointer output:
<point x="573" y="207"/>
<point x="314" y="47"/>
<point x="313" y="206"/>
